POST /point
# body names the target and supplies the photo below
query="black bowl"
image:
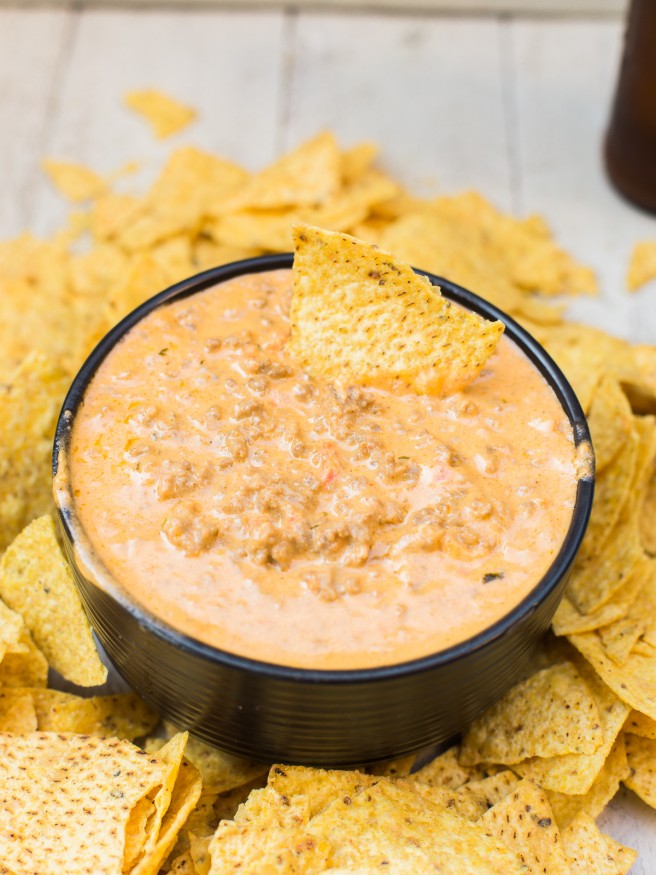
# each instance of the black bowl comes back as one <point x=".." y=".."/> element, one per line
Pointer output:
<point x="329" y="718"/>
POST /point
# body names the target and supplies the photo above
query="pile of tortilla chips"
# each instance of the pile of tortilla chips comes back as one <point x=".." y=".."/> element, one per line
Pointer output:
<point x="522" y="790"/>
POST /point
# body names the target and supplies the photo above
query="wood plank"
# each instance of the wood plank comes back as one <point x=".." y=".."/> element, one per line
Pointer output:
<point x="564" y="75"/>
<point x="225" y="64"/>
<point x="31" y="48"/>
<point x="468" y="7"/>
<point x="429" y="91"/>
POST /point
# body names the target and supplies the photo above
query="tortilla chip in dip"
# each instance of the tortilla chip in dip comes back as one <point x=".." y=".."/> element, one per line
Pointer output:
<point x="357" y="314"/>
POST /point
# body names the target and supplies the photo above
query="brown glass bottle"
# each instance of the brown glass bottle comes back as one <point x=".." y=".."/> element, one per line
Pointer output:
<point x="630" y="149"/>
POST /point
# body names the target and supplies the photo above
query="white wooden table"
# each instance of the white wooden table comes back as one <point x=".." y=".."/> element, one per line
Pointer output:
<point x="513" y="107"/>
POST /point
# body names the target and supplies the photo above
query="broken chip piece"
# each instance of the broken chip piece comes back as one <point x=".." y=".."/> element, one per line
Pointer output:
<point x="166" y="115"/>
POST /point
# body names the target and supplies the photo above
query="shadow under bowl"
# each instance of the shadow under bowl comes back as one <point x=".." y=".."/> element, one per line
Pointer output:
<point x="320" y="717"/>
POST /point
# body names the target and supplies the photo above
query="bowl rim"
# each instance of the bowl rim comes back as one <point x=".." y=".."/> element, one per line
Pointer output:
<point x="104" y="580"/>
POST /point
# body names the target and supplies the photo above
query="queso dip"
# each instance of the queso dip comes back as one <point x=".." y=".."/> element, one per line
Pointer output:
<point x="308" y="524"/>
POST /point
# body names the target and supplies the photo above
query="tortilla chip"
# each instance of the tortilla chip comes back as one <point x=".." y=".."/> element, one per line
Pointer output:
<point x="136" y="831"/>
<point x="641" y="756"/>
<point x="183" y="865"/>
<point x="522" y="248"/>
<point x="145" y="230"/>
<point x="350" y="206"/>
<point x="390" y="822"/>
<point x="531" y="311"/>
<point x="640" y="724"/>
<point x="30" y="406"/>
<point x="405" y="330"/>
<point x="357" y="160"/>
<point x="35" y="580"/>
<point x="264" y="231"/>
<point x="220" y="771"/>
<point x="596" y="579"/>
<point x="174" y="257"/>
<point x="551" y="713"/>
<point x="638" y="625"/>
<point x="17" y="713"/>
<point x="642" y="265"/>
<point x="165" y="115"/>
<point x="568" y="620"/>
<point x="306" y="176"/>
<point x="524" y="822"/>
<point x="648" y="518"/>
<point x="642" y="394"/>
<point x="120" y="716"/>
<point x="184" y="796"/>
<point x="111" y="214"/>
<point x="193" y="184"/>
<point x="93" y="273"/>
<point x="81" y="826"/>
<point x="170" y="756"/>
<point x="574" y="773"/>
<point x="226" y="803"/>
<point x="610" y="421"/>
<point x="24" y="667"/>
<point x="319" y="787"/>
<point x="201" y="821"/>
<point x="431" y="242"/>
<point x="11" y="628"/>
<point x="589" y="850"/>
<point x="200" y="854"/>
<point x="144" y="278"/>
<point x="446" y="771"/>
<point x="620" y="637"/>
<point x="612" y="492"/>
<point x="206" y="253"/>
<point x="634" y="681"/>
<point x="566" y="806"/>
<point x="472" y="800"/>
<point x="268" y="834"/>
<point x="585" y="354"/>
<point x="75" y="182"/>
<point x="395" y="768"/>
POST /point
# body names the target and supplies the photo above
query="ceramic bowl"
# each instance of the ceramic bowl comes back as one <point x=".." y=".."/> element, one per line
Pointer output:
<point x="329" y="718"/>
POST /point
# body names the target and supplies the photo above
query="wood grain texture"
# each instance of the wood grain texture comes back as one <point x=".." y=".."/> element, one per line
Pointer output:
<point x="480" y="7"/>
<point x="32" y="43"/>
<point x="563" y="83"/>
<point x="429" y="91"/>
<point x="228" y="65"/>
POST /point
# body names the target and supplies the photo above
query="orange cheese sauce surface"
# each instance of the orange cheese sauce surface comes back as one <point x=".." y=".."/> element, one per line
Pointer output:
<point x="302" y="523"/>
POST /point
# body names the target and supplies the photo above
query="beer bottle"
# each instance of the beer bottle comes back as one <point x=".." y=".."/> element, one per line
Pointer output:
<point x="630" y="148"/>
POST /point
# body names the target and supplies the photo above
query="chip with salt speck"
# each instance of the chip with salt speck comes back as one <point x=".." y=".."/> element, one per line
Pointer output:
<point x="359" y="315"/>
<point x="566" y="806"/>
<point x="524" y="821"/>
<point x="551" y="713"/>
<point x="35" y="581"/>
<point x="590" y="851"/>
<point x="69" y="797"/>
<point x="574" y="773"/>
<point x="641" y="756"/>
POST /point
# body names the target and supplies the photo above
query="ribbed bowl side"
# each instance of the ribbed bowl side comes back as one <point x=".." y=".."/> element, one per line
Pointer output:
<point x="293" y="720"/>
